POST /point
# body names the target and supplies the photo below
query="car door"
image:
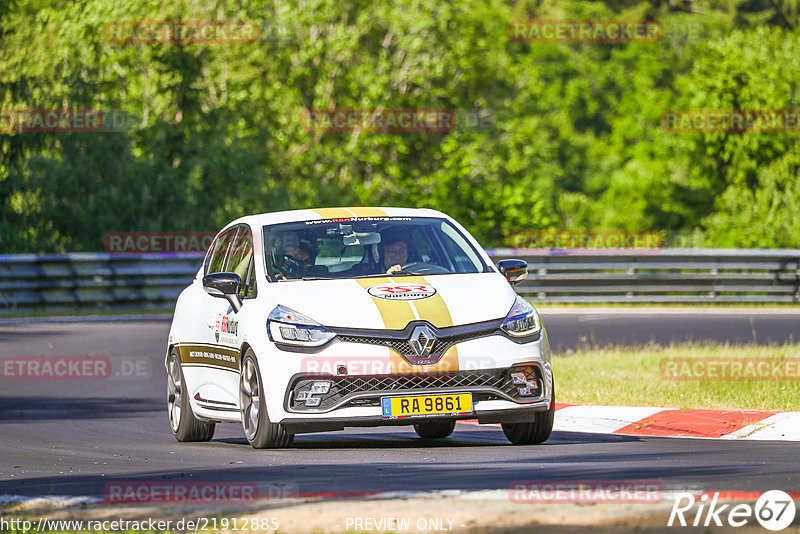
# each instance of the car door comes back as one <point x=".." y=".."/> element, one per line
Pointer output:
<point x="216" y="350"/>
<point x="223" y="323"/>
<point x="223" y="331"/>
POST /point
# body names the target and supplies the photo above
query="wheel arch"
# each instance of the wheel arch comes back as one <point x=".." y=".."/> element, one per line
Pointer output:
<point x="242" y="351"/>
<point x="166" y="356"/>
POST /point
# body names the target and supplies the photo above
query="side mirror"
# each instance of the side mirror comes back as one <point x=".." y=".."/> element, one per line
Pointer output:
<point x="515" y="271"/>
<point x="225" y="286"/>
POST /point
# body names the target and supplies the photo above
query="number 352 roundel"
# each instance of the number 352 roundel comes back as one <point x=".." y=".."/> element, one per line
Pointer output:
<point x="402" y="291"/>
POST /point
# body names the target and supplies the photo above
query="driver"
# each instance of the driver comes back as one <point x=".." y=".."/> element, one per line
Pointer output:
<point x="395" y="254"/>
<point x="294" y="254"/>
<point x="396" y="250"/>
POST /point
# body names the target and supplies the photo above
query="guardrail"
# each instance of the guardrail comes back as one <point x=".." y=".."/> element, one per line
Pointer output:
<point x="66" y="282"/>
<point x="659" y="275"/>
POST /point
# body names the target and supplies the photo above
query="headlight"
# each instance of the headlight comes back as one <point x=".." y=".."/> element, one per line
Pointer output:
<point x="522" y="320"/>
<point x="287" y="326"/>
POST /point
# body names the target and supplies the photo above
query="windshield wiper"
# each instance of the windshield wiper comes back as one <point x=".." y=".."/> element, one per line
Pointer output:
<point x="317" y="278"/>
<point x="383" y="275"/>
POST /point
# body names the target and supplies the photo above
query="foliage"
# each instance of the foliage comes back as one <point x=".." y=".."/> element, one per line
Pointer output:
<point x="575" y="142"/>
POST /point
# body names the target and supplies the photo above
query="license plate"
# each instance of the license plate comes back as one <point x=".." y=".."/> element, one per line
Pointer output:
<point x="457" y="403"/>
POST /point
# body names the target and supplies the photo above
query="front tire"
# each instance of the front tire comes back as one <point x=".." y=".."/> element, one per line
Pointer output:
<point x="435" y="429"/>
<point x="259" y="431"/>
<point x="182" y="421"/>
<point x="533" y="432"/>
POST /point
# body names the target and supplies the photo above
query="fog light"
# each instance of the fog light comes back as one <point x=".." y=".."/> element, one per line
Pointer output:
<point x="518" y="378"/>
<point x="524" y="392"/>
<point x="313" y="401"/>
<point x="320" y="387"/>
<point x="532" y="384"/>
<point x="301" y="395"/>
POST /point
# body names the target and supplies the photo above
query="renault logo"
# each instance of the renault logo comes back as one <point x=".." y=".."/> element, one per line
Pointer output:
<point x="422" y="340"/>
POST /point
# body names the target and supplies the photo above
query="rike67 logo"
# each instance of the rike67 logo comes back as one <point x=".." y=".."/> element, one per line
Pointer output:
<point x="774" y="510"/>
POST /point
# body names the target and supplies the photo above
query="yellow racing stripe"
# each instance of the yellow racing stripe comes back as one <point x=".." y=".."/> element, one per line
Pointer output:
<point x="333" y="213"/>
<point x="449" y="362"/>
<point x="397" y="314"/>
<point x="434" y="310"/>
<point x="368" y="212"/>
<point x="344" y="213"/>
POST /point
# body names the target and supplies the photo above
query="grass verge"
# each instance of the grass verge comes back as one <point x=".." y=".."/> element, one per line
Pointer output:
<point x="633" y="376"/>
<point x="544" y="305"/>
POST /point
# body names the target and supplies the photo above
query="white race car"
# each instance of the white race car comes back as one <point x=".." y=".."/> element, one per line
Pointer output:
<point x="316" y="320"/>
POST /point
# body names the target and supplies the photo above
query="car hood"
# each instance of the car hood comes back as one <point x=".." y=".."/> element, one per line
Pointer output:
<point x="380" y="303"/>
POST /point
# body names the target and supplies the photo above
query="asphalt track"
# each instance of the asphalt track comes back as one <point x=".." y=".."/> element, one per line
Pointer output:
<point x="74" y="437"/>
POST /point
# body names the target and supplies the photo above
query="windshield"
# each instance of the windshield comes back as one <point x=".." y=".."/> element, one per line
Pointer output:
<point x="368" y="247"/>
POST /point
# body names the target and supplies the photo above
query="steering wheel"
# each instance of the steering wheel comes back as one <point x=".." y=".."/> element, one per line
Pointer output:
<point x="424" y="268"/>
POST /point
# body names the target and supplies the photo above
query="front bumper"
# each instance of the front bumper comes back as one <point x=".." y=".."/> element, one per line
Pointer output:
<point x="496" y="397"/>
<point x="361" y="390"/>
<point x="354" y="399"/>
<point x="301" y="425"/>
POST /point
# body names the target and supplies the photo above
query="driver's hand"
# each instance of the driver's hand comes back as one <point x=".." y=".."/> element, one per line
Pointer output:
<point x="394" y="269"/>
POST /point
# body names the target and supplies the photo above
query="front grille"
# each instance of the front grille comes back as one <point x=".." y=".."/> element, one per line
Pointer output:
<point x="403" y="346"/>
<point x="466" y="379"/>
<point x="367" y="390"/>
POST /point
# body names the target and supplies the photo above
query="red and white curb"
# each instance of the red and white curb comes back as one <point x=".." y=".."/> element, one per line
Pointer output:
<point x="645" y="421"/>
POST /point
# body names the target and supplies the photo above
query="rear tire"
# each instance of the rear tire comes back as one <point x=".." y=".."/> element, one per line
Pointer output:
<point x="182" y="421"/>
<point x="536" y="431"/>
<point x="435" y="429"/>
<point x="259" y="431"/>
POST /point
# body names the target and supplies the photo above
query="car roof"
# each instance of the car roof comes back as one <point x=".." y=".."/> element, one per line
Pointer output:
<point x="277" y="217"/>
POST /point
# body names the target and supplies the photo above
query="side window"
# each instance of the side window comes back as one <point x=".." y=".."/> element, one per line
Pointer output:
<point x="220" y="247"/>
<point x="421" y="244"/>
<point x="465" y="258"/>
<point x="240" y="261"/>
